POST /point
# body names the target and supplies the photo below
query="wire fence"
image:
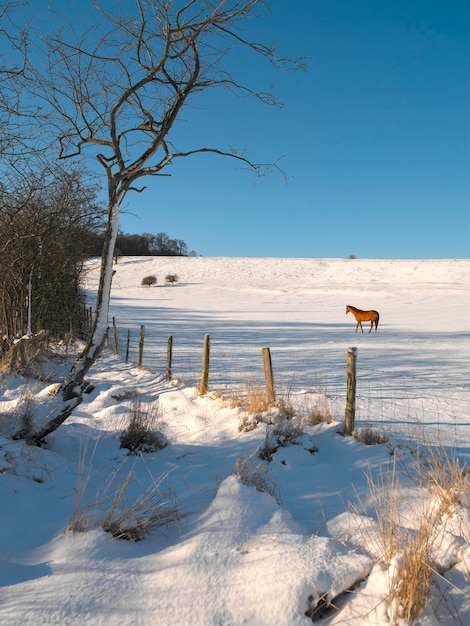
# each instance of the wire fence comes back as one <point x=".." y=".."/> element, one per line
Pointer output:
<point x="422" y="402"/>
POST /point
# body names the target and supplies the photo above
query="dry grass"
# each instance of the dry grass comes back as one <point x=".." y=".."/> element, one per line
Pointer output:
<point x="26" y="431"/>
<point x="35" y="357"/>
<point x="446" y="477"/>
<point x="79" y="522"/>
<point x="407" y="547"/>
<point x="385" y="539"/>
<point x="153" y="509"/>
<point x="280" y="433"/>
<point x="250" y="398"/>
<point x="315" y="408"/>
<point x="18" y="422"/>
<point x="369" y="437"/>
<point x="256" y="400"/>
<point x="255" y="475"/>
<point x="143" y="430"/>
<point x="413" y="577"/>
<point x="247" y="423"/>
<point x="269" y="448"/>
<point x="309" y="410"/>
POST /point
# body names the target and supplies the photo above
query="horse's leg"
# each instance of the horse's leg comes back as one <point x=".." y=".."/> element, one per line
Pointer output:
<point x="371" y="324"/>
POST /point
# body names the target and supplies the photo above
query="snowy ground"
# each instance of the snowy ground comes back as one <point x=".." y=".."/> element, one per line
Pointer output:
<point x="237" y="555"/>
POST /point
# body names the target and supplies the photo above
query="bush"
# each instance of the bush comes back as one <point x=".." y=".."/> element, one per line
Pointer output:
<point x="147" y="281"/>
<point x="171" y="278"/>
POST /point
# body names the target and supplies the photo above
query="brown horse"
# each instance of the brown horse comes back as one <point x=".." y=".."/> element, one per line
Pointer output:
<point x="364" y="316"/>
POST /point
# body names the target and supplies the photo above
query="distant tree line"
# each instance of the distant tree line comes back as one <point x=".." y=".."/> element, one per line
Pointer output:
<point x="140" y="245"/>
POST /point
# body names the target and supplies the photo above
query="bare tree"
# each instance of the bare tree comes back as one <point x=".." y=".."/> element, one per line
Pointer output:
<point x="118" y="95"/>
<point x="20" y="131"/>
<point x="44" y="219"/>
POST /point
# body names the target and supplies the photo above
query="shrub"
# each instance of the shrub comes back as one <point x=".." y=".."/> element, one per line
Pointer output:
<point x="147" y="281"/>
<point x="171" y="278"/>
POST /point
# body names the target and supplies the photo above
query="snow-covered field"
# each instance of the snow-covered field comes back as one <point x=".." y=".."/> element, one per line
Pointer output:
<point x="237" y="555"/>
<point x="414" y="369"/>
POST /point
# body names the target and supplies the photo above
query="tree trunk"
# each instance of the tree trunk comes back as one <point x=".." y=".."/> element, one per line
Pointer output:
<point x="73" y="387"/>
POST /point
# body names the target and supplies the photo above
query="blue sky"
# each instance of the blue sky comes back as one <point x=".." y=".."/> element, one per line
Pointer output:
<point x="375" y="139"/>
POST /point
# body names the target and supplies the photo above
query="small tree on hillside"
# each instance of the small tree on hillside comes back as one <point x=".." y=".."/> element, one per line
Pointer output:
<point x="119" y="89"/>
<point x="147" y="281"/>
<point x="171" y="278"/>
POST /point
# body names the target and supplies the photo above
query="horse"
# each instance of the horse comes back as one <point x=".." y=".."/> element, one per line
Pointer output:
<point x="364" y="316"/>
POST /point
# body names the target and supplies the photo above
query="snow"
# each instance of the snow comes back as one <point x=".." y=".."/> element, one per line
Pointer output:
<point x="235" y="555"/>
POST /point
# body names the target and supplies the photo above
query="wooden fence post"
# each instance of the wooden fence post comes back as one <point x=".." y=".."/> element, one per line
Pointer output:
<point x="205" y="366"/>
<point x="141" y="347"/>
<point x="350" y="411"/>
<point x="127" y="344"/>
<point x="168" y="357"/>
<point x="268" y="374"/>
<point x="116" y="345"/>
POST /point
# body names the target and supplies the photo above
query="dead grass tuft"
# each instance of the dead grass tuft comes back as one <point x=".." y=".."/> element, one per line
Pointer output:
<point x="386" y="538"/>
<point x="446" y="477"/>
<point x="413" y="575"/>
<point x="18" y="423"/>
<point x="79" y="522"/>
<point x="247" y="423"/>
<point x="405" y="546"/>
<point x="255" y="475"/>
<point x="369" y="437"/>
<point x="282" y="432"/>
<point x="315" y="409"/>
<point x="151" y="511"/>
<point x="143" y="430"/>
<point x="256" y="399"/>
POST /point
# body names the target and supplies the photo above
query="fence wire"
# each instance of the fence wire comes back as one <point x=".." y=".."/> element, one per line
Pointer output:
<point x="425" y="405"/>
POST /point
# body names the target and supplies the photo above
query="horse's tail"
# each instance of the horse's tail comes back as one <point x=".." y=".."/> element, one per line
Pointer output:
<point x="377" y="320"/>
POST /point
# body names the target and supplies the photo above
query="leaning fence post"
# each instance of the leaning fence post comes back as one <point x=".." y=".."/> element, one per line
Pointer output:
<point x="350" y="411"/>
<point x="205" y="366"/>
<point x="268" y="374"/>
<point x="168" y="357"/>
<point x="127" y="344"/>
<point x="141" y="347"/>
<point x="116" y="345"/>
